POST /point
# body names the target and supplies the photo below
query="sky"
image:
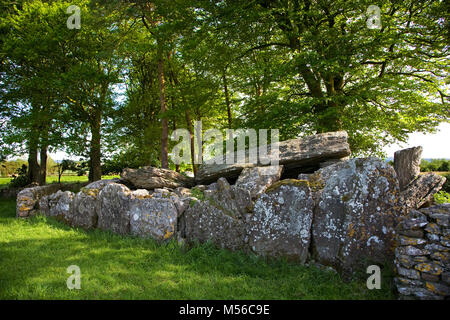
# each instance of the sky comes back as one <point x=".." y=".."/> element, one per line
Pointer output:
<point x="435" y="145"/>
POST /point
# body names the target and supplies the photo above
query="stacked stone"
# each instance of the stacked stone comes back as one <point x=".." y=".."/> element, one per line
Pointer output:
<point x="422" y="254"/>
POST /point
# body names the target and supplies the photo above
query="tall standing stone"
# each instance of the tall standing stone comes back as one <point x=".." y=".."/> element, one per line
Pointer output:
<point x="358" y="205"/>
<point x="407" y="165"/>
<point x="280" y="225"/>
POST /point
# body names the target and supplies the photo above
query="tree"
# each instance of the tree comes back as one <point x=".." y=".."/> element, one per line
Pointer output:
<point x="338" y="74"/>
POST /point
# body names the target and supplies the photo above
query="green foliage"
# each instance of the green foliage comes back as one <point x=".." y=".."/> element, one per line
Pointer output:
<point x="20" y="179"/>
<point x="197" y="193"/>
<point x="442" y="165"/>
<point x="446" y="186"/>
<point x="300" y="67"/>
<point x="117" y="267"/>
<point x="442" y="197"/>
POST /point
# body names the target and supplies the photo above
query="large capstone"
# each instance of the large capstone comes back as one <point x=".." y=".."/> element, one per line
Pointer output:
<point x="152" y="178"/>
<point x="280" y="225"/>
<point x="358" y="205"/>
<point x="294" y="154"/>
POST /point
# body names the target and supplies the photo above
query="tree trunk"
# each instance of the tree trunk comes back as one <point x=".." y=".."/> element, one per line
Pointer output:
<point x="43" y="166"/>
<point x="95" y="156"/>
<point x="165" y="126"/>
<point x="43" y="157"/>
<point x="191" y="133"/>
<point x="177" y="166"/>
<point x="33" y="165"/>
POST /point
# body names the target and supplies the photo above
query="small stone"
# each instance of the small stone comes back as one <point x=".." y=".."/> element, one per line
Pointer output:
<point x="409" y="273"/>
<point x="411" y="251"/>
<point x="433" y="228"/>
<point x="446" y="277"/>
<point x="431" y="268"/>
<point x="407" y="282"/>
<point x="418" y="233"/>
<point x="440" y="256"/>
<point x="435" y="247"/>
<point x="405" y="261"/>
<point x="429" y="277"/>
<point x="432" y="237"/>
<point x="438" y="288"/>
<point x="445" y="243"/>
<point x="407" y="241"/>
<point x="441" y="219"/>
<point x="425" y="294"/>
<point x="420" y="259"/>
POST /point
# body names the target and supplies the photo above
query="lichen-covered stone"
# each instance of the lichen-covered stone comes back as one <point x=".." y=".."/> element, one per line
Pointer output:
<point x="113" y="210"/>
<point x="421" y="190"/>
<point x="203" y="221"/>
<point x="258" y="179"/>
<point x="231" y="199"/>
<point x="438" y="288"/>
<point x="86" y="204"/>
<point x="281" y="221"/>
<point x="358" y="207"/>
<point x="153" y="218"/>
<point x="430" y="268"/>
<point x="27" y="201"/>
<point x="429" y="256"/>
<point x="58" y="205"/>
<point x="407" y="241"/>
<point x="408" y="273"/>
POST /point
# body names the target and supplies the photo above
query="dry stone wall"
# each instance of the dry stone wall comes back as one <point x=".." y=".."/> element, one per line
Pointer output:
<point x="423" y="252"/>
<point x="344" y="215"/>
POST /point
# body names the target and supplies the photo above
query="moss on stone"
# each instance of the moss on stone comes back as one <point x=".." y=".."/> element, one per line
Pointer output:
<point x="291" y="182"/>
<point x="197" y="193"/>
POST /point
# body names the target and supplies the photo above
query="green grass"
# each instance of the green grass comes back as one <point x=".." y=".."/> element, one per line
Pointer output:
<point x="54" y="179"/>
<point x="35" y="253"/>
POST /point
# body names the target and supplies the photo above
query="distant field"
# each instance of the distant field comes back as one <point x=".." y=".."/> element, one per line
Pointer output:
<point x="54" y="179"/>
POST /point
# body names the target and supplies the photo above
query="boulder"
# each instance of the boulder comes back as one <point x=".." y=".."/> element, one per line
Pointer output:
<point x="305" y="152"/>
<point x="153" y="218"/>
<point x="236" y="201"/>
<point x="114" y="208"/>
<point x="27" y="202"/>
<point x="358" y="205"/>
<point x="280" y="225"/>
<point x="420" y="192"/>
<point x="407" y="165"/>
<point x="152" y="178"/>
<point x="258" y="179"/>
<point x="58" y="205"/>
<point x="86" y="204"/>
<point x="218" y="216"/>
<point x="203" y="221"/>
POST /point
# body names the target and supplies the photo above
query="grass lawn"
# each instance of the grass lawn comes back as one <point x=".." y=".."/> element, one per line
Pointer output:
<point x="35" y="253"/>
<point x="54" y="179"/>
